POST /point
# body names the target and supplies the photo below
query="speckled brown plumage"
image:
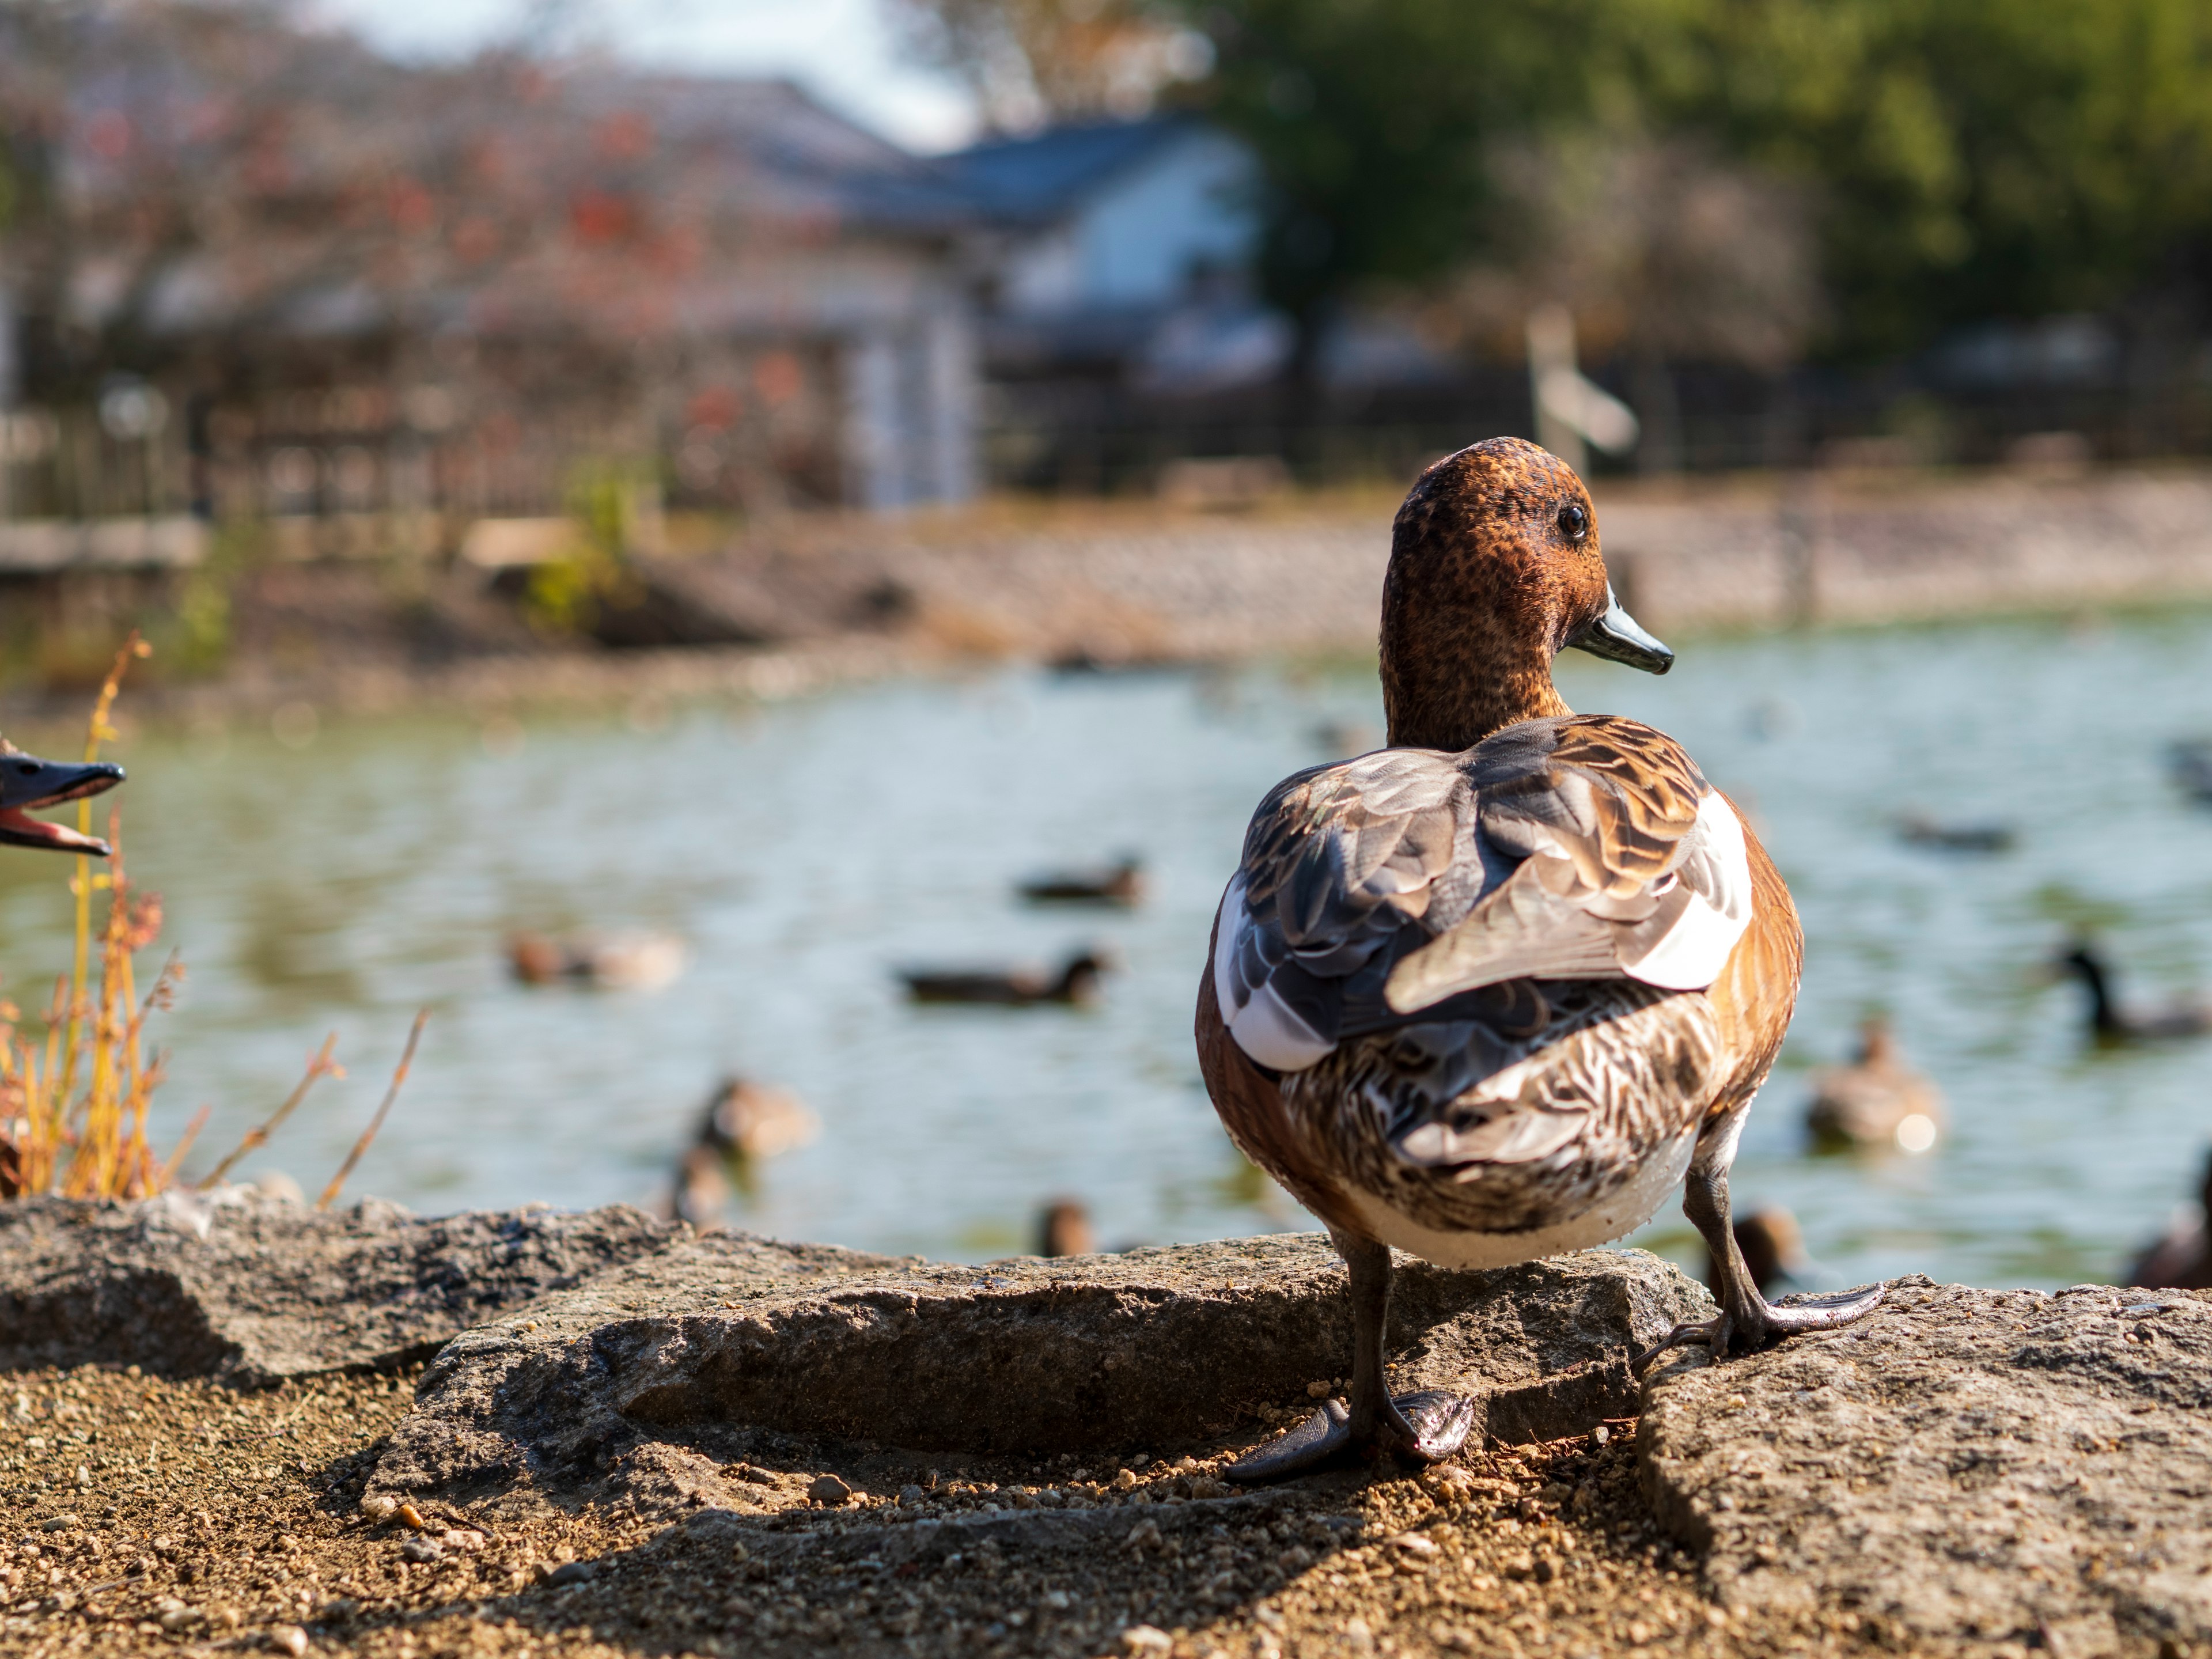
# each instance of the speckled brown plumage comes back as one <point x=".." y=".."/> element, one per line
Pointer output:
<point x="1374" y="856"/>
<point x="1483" y="590"/>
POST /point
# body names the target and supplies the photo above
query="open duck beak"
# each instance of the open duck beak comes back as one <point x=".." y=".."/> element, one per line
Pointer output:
<point x="27" y="783"/>
<point x="1618" y="637"/>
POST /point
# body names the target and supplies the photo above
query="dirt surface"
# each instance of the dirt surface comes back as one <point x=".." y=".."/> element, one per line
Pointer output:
<point x="139" y="1514"/>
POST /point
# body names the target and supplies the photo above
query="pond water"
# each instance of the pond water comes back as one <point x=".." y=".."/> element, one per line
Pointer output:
<point x="804" y="851"/>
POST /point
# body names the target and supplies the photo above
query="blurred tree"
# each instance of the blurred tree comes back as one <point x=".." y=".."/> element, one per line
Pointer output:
<point x="1972" y="159"/>
<point x="1029" y="61"/>
<point x="1976" y="158"/>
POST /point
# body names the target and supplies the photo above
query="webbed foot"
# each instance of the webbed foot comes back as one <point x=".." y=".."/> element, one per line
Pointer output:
<point x="1766" y="1322"/>
<point x="1423" y="1427"/>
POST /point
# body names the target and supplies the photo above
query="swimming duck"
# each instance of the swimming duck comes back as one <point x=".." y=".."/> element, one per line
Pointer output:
<point x="1064" y="1229"/>
<point x="2190" y="759"/>
<point x="1016" y="987"/>
<point x="744" y="1124"/>
<point x="1773" y="1251"/>
<point x="1876" y="1101"/>
<point x="29" y="785"/>
<point x="613" y="962"/>
<point x="1487" y="995"/>
<point x="2180" y="1259"/>
<point x="1918" y="830"/>
<point x="2110" y="1022"/>
<point x="1122" y="884"/>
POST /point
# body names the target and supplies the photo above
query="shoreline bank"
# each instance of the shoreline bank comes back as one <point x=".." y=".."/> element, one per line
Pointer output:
<point x="844" y="599"/>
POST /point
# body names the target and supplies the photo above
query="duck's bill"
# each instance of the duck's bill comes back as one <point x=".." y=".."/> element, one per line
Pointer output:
<point x="1618" y="637"/>
<point x="29" y="784"/>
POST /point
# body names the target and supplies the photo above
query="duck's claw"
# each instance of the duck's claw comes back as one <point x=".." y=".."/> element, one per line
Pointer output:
<point x="1425" y="1427"/>
<point x="1767" y="1322"/>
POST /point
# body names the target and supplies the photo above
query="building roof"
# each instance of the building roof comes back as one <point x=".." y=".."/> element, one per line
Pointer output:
<point x="1041" y="178"/>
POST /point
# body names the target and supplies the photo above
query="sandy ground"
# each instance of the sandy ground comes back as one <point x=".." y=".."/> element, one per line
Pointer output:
<point x="143" y="1516"/>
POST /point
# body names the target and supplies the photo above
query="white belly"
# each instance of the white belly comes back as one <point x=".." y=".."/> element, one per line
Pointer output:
<point x="1615" y="1216"/>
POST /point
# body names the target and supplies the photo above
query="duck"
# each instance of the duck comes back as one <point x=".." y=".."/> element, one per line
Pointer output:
<point x="1122" y="883"/>
<point x="29" y="785"/>
<point x="2190" y="762"/>
<point x="1077" y="982"/>
<point x="744" y="1123"/>
<point x="1773" y="1251"/>
<point x="1492" y="992"/>
<point x="1064" y="1229"/>
<point x="611" y="962"/>
<point x="2112" y="1023"/>
<point x="1876" y="1101"/>
<point x="1918" y="830"/>
<point x="2180" y="1259"/>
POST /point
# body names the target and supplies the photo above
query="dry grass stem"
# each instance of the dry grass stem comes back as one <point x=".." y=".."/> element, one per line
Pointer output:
<point x="399" y="1077"/>
<point x="320" y="1067"/>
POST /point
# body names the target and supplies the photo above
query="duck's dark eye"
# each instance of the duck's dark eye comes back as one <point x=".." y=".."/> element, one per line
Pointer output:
<point x="1574" y="523"/>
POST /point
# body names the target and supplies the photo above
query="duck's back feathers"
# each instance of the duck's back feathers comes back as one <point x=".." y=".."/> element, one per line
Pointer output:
<point x="1412" y="884"/>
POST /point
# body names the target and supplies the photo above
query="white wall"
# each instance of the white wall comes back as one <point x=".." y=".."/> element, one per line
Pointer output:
<point x="1193" y="200"/>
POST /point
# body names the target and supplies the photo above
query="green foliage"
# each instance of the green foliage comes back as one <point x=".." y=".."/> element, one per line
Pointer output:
<point x="566" y="595"/>
<point x="1970" y="158"/>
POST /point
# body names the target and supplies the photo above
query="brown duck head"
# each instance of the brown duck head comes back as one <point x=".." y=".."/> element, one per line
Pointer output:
<point x="1495" y="568"/>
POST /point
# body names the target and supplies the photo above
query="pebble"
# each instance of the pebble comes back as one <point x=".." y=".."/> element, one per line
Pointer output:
<point x="1413" y="1544"/>
<point x="1146" y="1639"/>
<point x="828" y="1489"/>
<point x="289" y="1638"/>
<point x="910" y="1497"/>
<point x="380" y="1506"/>
<point x="59" y="1523"/>
<point x="573" y="1572"/>
<point x="419" y="1548"/>
<point x="1125" y="1480"/>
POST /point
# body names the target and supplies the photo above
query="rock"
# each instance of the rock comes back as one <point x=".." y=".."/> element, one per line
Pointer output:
<point x="828" y="1489"/>
<point x="289" y="1638"/>
<point x="252" y="1289"/>
<point x="419" y="1548"/>
<point x="1170" y="1345"/>
<point x="2003" y="1465"/>
<point x="573" y="1572"/>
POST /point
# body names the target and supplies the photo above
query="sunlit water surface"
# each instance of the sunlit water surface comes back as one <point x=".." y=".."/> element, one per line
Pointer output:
<point x="804" y="851"/>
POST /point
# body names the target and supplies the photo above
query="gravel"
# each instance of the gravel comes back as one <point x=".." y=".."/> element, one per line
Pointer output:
<point x="221" y="1521"/>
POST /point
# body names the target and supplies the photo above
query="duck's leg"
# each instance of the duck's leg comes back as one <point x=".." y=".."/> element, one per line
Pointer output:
<point x="1423" y="1427"/>
<point x="1747" y="1319"/>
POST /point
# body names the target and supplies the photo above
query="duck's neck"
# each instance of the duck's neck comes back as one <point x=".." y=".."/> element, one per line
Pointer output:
<point x="1452" y="701"/>
<point x="2103" y="1016"/>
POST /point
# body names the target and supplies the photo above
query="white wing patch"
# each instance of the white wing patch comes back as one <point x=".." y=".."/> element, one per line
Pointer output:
<point x="1713" y="865"/>
<point x="1264" y="1027"/>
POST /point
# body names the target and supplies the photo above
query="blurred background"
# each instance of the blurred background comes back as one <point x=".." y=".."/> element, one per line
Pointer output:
<point x="659" y="522"/>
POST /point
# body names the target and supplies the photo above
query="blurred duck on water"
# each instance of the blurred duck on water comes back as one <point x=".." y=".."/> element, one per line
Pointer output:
<point x="1064" y="1229"/>
<point x="745" y="1124"/>
<point x="2190" y="763"/>
<point x="1491" y="993"/>
<point x="1877" y="1101"/>
<point x="1773" y="1251"/>
<point x="611" y="962"/>
<point x="1077" y="982"/>
<point x="2180" y="1258"/>
<point x="1122" y="883"/>
<point x="1918" y="830"/>
<point x="2111" y="1021"/>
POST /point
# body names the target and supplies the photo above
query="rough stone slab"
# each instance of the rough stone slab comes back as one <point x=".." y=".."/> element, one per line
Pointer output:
<point x="1158" y="1347"/>
<point x="252" y="1288"/>
<point x="1962" y="1463"/>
